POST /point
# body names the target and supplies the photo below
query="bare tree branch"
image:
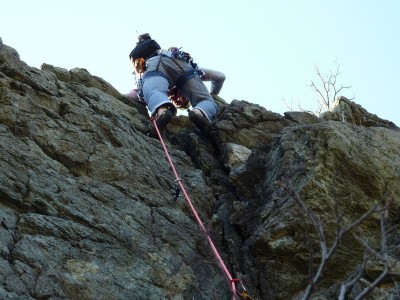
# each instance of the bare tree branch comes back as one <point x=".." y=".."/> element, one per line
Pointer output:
<point x="289" y="106"/>
<point x="349" y="284"/>
<point x="382" y="255"/>
<point x="316" y="89"/>
<point x="326" y="252"/>
<point x="330" y="90"/>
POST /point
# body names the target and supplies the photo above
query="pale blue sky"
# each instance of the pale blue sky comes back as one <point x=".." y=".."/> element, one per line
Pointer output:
<point x="267" y="49"/>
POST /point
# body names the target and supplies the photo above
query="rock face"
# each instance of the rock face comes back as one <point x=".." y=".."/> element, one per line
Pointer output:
<point x="87" y="208"/>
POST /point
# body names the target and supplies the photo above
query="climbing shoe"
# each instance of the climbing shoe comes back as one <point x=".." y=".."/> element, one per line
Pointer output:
<point x="162" y="122"/>
<point x="201" y="122"/>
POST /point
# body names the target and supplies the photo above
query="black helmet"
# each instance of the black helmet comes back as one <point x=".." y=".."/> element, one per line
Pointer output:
<point x="144" y="36"/>
<point x="145" y="47"/>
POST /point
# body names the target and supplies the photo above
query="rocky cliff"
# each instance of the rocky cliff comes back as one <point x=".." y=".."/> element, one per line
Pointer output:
<point x="88" y="212"/>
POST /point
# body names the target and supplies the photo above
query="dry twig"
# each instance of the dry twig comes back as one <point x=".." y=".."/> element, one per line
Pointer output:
<point x="327" y="252"/>
<point x="329" y="91"/>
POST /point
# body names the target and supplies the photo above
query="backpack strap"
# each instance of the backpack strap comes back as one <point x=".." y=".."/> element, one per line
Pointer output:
<point x="180" y="82"/>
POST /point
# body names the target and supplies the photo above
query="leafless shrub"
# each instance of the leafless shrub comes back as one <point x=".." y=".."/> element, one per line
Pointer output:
<point x="381" y="256"/>
<point x="327" y="88"/>
<point x="328" y="251"/>
<point x="290" y="106"/>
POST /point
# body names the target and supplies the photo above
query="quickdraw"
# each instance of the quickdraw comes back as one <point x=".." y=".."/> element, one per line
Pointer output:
<point x="242" y="292"/>
<point x="178" y="53"/>
<point x="177" y="99"/>
<point x="177" y="190"/>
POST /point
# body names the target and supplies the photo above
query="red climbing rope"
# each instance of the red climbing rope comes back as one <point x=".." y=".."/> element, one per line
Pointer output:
<point x="232" y="280"/>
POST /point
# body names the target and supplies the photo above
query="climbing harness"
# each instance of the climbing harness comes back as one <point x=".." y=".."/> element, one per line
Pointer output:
<point x="241" y="291"/>
<point x="174" y="93"/>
